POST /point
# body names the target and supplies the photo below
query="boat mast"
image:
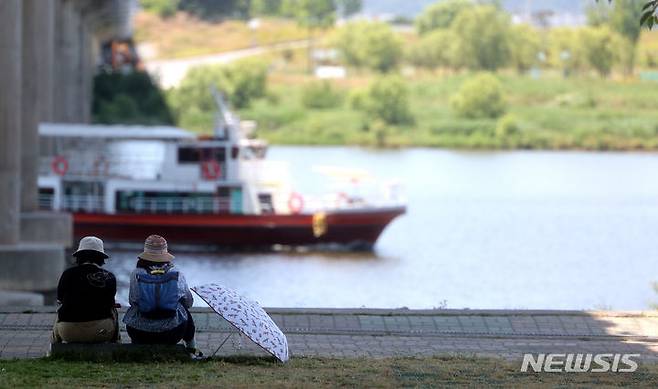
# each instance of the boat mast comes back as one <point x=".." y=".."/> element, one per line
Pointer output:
<point x="227" y="124"/>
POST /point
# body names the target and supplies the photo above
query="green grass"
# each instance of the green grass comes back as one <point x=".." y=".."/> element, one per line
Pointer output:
<point x="552" y="113"/>
<point x="305" y="372"/>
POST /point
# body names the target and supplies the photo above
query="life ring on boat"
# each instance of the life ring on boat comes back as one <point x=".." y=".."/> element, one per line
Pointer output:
<point x="101" y="166"/>
<point x="211" y="170"/>
<point x="295" y="203"/>
<point x="59" y="165"/>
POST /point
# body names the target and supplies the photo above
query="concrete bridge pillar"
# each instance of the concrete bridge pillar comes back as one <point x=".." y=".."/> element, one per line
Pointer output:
<point x="67" y="63"/>
<point x="37" y="64"/>
<point x="86" y="70"/>
<point x="25" y="265"/>
<point x="46" y="70"/>
<point x="10" y="119"/>
<point x="37" y="106"/>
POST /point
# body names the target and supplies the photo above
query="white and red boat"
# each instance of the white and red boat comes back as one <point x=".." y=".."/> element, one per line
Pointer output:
<point x="123" y="183"/>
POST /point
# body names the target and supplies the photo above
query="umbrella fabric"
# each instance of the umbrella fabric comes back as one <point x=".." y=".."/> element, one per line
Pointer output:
<point x="247" y="316"/>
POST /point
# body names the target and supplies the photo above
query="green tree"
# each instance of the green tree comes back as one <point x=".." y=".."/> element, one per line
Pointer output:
<point x="601" y="48"/>
<point x="387" y="100"/>
<point x="440" y="15"/>
<point x="213" y="9"/>
<point x="241" y="82"/>
<point x="479" y="97"/>
<point x="435" y="49"/>
<point x="624" y="20"/>
<point x="128" y="98"/>
<point x="649" y="14"/>
<point x="598" y="13"/>
<point x="484" y="33"/>
<point x="372" y="45"/>
<point x="525" y="45"/>
<point x="565" y="50"/>
<point x="311" y="14"/>
<point x="265" y="7"/>
<point x="164" y="8"/>
<point x="347" y="8"/>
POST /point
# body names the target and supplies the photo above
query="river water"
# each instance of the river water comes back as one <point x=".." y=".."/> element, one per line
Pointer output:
<point x="520" y="229"/>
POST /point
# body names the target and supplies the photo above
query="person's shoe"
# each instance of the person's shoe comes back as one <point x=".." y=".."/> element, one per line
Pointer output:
<point x="195" y="354"/>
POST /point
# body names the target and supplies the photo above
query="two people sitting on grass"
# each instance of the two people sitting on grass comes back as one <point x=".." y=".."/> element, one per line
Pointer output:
<point x="86" y="293"/>
<point x="159" y="300"/>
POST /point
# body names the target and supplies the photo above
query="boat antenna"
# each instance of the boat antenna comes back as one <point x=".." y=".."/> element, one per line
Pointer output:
<point x="224" y="120"/>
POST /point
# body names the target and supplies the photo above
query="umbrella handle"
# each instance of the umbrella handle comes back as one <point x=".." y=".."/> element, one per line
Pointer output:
<point x="220" y="346"/>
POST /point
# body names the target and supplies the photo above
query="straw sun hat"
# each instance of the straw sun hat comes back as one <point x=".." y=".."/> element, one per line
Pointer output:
<point x="155" y="250"/>
<point x="91" y="244"/>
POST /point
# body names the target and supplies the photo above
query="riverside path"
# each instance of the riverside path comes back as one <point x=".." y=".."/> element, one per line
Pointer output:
<point x="24" y="332"/>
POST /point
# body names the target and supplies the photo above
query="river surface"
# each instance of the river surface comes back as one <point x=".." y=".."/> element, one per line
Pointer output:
<point x="562" y="230"/>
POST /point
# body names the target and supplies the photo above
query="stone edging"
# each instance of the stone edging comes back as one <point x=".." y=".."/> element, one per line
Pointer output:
<point x="397" y="312"/>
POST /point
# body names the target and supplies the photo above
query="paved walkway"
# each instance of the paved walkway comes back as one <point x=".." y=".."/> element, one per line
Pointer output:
<point x="378" y="333"/>
<point x="170" y="72"/>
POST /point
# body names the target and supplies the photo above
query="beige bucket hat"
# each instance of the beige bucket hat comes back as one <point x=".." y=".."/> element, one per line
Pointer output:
<point x="155" y="250"/>
<point x="91" y="243"/>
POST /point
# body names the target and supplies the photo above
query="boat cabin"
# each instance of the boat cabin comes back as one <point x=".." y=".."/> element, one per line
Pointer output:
<point x="156" y="169"/>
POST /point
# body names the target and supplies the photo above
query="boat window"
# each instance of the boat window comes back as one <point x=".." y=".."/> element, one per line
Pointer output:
<point x="188" y="154"/>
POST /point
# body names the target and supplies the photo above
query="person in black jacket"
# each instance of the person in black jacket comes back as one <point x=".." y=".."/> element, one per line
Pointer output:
<point x="86" y="293"/>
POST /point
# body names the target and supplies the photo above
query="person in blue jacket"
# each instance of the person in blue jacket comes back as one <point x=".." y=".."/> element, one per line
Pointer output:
<point x="159" y="300"/>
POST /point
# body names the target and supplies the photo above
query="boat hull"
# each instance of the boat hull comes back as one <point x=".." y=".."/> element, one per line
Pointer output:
<point x="354" y="228"/>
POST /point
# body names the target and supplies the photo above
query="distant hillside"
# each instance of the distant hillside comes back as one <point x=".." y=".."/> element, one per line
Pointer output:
<point x="410" y="8"/>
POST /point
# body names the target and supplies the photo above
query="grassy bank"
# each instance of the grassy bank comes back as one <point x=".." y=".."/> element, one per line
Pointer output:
<point x="549" y="112"/>
<point x="305" y="372"/>
<point x="183" y="35"/>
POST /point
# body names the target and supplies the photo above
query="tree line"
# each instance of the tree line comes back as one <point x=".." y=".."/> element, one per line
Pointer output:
<point x="451" y="34"/>
<point x="461" y="34"/>
<point x="313" y="11"/>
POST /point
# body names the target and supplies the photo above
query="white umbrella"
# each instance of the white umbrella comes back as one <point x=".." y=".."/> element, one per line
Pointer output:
<point x="247" y="316"/>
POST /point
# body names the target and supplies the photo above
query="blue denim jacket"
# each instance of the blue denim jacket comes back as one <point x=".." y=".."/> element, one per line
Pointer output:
<point x="134" y="319"/>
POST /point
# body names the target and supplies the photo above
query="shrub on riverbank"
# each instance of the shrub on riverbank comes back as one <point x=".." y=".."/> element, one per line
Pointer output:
<point x="321" y="95"/>
<point x="387" y="100"/>
<point x="479" y="97"/>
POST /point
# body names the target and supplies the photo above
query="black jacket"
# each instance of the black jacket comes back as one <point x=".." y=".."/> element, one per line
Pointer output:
<point x="86" y="293"/>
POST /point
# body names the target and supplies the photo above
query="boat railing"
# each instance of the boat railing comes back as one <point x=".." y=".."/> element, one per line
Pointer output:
<point x="46" y="202"/>
<point x="341" y="201"/>
<point x="180" y="205"/>
<point x="73" y="203"/>
<point x="82" y="203"/>
<point x="94" y="203"/>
